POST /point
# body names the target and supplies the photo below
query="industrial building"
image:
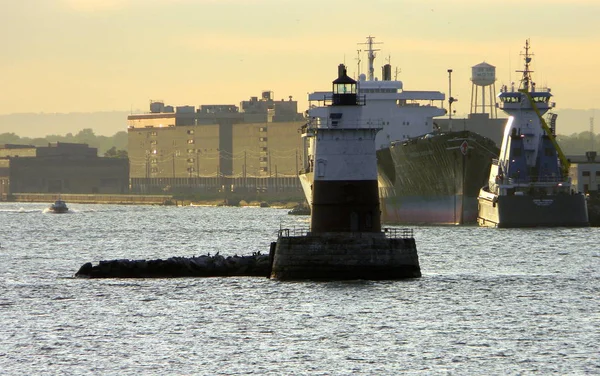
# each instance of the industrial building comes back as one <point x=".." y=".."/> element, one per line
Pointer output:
<point x="60" y="168"/>
<point x="585" y="173"/>
<point x="216" y="148"/>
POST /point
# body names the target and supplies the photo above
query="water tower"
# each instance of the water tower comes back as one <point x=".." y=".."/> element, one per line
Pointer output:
<point x="483" y="77"/>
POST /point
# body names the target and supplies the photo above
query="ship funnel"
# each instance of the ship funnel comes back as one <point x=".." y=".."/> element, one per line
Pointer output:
<point x="341" y="70"/>
<point x="386" y="72"/>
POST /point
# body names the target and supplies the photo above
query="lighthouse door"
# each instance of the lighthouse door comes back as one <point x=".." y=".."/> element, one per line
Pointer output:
<point x="354" y="221"/>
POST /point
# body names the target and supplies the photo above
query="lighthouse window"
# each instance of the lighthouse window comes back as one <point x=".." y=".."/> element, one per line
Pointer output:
<point x="344" y="89"/>
<point x="585" y="173"/>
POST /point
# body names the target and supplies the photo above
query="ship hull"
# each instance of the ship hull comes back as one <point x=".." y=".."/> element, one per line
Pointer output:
<point x="430" y="180"/>
<point x="435" y="179"/>
<point x="561" y="210"/>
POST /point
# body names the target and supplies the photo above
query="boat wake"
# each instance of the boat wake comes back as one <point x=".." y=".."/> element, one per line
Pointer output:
<point x="20" y="210"/>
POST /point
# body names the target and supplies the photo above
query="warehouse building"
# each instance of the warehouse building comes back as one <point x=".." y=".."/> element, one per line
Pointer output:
<point x="216" y="148"/>
<point x="60" y="168"/>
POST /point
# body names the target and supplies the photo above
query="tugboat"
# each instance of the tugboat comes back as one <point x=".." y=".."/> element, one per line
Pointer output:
<point x="58" y="207"/>
<point x="529" y="184"/>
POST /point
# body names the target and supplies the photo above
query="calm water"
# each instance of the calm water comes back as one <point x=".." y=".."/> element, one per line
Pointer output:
<point x="489" y="302"/>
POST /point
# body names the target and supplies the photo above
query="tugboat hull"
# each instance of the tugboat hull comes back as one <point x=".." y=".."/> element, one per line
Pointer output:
<point x="563" y="210"/>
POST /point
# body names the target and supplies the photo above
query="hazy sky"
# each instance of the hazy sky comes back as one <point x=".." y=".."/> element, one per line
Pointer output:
<point x="102" y="55"/>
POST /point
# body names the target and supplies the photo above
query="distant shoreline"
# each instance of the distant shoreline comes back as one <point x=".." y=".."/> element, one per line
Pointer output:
<point x="166" y="200"/>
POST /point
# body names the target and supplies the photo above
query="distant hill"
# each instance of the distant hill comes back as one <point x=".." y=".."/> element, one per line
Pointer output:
<point x="572" y="121"/>
<point x="110" y="122"/>
<point x="42" y="124"/>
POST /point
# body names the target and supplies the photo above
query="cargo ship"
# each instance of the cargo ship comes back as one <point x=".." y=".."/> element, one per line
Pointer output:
<point x="529" y="184"/>
<point x="425" y="175"/>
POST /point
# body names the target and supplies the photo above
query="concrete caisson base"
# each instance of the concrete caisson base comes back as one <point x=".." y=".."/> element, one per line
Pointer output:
<point x="344" y="256"/>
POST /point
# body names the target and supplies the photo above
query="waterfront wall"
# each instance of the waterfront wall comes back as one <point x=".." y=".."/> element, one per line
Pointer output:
<point x="93" y="198"/>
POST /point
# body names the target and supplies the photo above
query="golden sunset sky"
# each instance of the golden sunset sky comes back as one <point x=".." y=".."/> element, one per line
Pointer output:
<point x="103" y="55"/>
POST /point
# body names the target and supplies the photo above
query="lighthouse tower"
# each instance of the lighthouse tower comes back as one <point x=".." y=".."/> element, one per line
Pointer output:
<point x="345" y="193"/>
<point x="345" y="239"/>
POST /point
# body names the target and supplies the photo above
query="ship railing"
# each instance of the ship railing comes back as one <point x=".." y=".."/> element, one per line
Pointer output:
<point x="390" y="233"/>
<point x="293" y="232"/>
<point x="325" y="122"/>
<point x="398" y="233"/>
<point x="327" y="99"/>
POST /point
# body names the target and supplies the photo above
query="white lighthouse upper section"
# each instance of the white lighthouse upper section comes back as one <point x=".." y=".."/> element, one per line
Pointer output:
<point x="344" y="137"/>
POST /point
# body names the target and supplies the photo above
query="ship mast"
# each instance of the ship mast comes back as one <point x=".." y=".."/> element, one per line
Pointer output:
<point x="526" y="80"/>
<point x="358" y="63"/>
<point x="371" y="54"/>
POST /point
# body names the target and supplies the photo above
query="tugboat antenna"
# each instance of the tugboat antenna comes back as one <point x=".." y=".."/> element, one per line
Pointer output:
<point x="526" y="80"/>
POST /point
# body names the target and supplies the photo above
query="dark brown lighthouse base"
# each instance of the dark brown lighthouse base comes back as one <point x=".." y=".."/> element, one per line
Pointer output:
<point x="344" y="256"/>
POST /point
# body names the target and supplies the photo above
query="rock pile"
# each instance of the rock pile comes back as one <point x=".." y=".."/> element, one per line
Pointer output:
<point x="256" y="265"/>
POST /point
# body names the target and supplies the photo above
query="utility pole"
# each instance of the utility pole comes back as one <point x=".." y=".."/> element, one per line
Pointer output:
<point x="197" y="163"/>
<point x="173" y="167"/>
<point x="450" y="99"/>
<point x="592" y="133"/>
<point x="245" y="179"/>
<point x="297" y="172"/>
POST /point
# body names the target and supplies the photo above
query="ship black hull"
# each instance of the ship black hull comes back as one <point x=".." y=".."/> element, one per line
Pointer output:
<point x="561" y="210"/>
<point x="434" y="179"/>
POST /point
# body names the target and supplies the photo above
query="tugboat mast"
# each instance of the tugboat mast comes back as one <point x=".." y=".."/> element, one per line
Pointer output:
<point x="526" y="81"/>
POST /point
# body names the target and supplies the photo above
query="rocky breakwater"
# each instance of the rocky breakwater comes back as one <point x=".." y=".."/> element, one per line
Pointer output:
<point x="256" y="265"/>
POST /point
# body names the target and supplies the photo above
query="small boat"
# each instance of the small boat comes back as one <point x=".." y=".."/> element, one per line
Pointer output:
<point x="300" y="210"/>
<point x="59" y="206"/>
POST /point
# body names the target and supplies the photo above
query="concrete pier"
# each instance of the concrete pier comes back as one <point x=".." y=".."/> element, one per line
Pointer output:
<point x="342" y="256"/>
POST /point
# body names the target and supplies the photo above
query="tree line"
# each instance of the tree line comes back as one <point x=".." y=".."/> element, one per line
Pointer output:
<point x="113" y="146"/>
<point x="116" y="145"/>
<point x="578" y="143"/>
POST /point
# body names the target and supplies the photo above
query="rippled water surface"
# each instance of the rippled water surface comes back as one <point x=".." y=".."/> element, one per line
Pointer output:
<point x="490" y="301"/>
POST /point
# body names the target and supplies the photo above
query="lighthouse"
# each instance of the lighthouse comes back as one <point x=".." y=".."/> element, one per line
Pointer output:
<point x="345" y="193"/>
<point x="345" y="239"/>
